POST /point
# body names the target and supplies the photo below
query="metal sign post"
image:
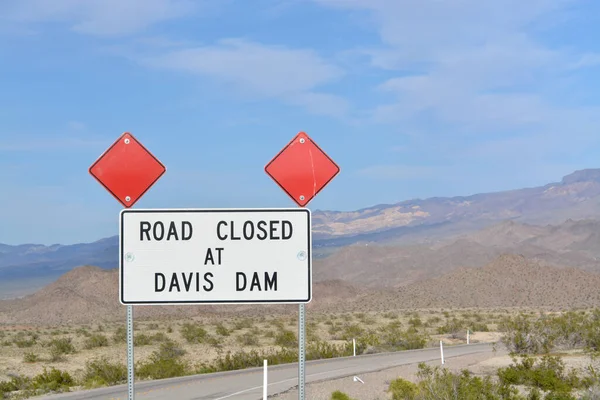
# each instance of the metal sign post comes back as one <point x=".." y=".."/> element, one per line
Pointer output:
<point x="127" y="170"/>
<point x="302" y="170"/>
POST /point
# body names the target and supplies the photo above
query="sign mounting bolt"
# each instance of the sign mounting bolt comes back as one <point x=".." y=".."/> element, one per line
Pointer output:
<point x="302" y="255"/>
<point x="127" y="198"/>
<point x="127" y="141"/>
<point x="302" y="140"/>
<point x="129" y="257"/>
<point x="302" y="197"/>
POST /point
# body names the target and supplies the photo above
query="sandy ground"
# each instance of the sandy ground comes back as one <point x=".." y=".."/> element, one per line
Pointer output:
<point x="326" y="327"/>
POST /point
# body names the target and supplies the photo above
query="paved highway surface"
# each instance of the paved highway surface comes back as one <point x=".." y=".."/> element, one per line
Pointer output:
<point x="247" y="384"/>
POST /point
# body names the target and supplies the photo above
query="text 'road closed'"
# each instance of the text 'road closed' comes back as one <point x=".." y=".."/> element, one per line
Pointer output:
<point x="215" y="256"/>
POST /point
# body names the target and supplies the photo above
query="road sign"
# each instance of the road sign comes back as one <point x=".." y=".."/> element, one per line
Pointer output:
<point x="213" y="256"/>
<point x="127" y="170"/>
<point x="302" y="169"/>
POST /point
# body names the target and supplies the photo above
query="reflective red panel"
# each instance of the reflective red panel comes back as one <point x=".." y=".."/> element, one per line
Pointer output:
<point x="302" y="169"/>
<point x="127" y="170"/>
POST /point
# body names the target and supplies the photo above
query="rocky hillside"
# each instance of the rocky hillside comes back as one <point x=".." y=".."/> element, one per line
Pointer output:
<point x="508" y="281"/>
<point x="576" y="196"/>
<point x="570" y="244"/>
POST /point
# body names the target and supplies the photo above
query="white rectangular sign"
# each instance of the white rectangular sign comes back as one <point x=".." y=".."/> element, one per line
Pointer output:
<point x="212" y="256"/>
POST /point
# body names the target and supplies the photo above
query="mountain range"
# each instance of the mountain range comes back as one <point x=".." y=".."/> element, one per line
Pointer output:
<point x="396" y="244"/>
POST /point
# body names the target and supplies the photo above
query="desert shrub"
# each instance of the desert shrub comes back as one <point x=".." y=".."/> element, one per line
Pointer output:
<point x="101" y="372"/>
<point x="222" y="330"/>
<point x="525" y="335"/>
<point x="152" y="326"/>
<point x="247" y="359"/>
<point x="48" y="381"/>
<point x="14" y="384"/>
<point x="79" y="332"/>
<point x="338" y="395"/>
<point x="394" y="338"/>
<point x="548" y="374"/>
<point x="60" y="347"/>
<point x="436" y="383"/>
<point x="246" y="323"/>
<point x="141" y="339"/>
<point x="193" y="333"/>
<point x="247" y="339"/>
<point x="351" y="331"/>
<point x="52" y="381"/>
<point x="164" y="363"/>
<point x="390" y="315"/>
<point x="25" y="340"/>
<point x="120" y="335"/>
<point x="478" y="327"/>
<point x="95" y="340"/>
<point x="415" y="322"/>
<point x="30" y="357"/>
<point x="320" y="350"/>
<point x="286" y="338"/>
<point x="401" y="389"/>
<point x="159" y="337"/>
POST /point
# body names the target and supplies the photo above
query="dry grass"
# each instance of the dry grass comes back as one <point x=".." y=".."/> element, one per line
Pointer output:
<point x="221" y="335"/>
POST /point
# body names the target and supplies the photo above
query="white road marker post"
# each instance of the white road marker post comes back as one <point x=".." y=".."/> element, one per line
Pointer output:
<point x="442" y="351"/>
<point x="354" y="347"/>
<point x="265" y="395"/>
<point x="468" y="336"/>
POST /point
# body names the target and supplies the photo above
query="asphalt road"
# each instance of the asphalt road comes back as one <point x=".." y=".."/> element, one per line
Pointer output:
<point x="247" y="384"/>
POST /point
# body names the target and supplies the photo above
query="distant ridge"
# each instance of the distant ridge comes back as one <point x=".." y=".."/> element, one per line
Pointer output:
<point x="436" y="235"/>
<point x="89" y="295"/>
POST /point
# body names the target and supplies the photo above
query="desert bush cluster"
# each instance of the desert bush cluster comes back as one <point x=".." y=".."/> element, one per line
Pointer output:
<point x="528" y="334"/>
<point x="179" y="348"/>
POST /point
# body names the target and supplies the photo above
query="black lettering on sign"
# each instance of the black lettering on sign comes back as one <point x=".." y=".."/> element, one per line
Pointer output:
<point x="145" y="229"/>
<point x="186" y="280"/>
<point x="219" y="250"/>
<point x="157" y="230"/>
<point x="220" y="235"/>
<point x="239" y="287"/>
<point x="157" y="287"/>
<point x="250" y="230"/>
<point x="209" y="256"/>
<point x="260" y="225"/>
<point x="269" y="283"/>
<point x="174" y="283"/>
<point x="207" y="280"/>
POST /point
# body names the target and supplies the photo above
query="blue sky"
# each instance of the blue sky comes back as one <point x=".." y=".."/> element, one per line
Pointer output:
<point x="412" y="100"/>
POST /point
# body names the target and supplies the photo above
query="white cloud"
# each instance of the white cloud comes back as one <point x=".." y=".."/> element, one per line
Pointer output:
<point x="474" y="67"/>
<point x="98" y="17"/>
<point x="259" y="70"/>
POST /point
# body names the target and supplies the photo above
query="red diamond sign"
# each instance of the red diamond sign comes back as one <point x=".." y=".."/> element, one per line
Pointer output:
<point x="302" y="169"/>
<point x="127" y="170"/>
